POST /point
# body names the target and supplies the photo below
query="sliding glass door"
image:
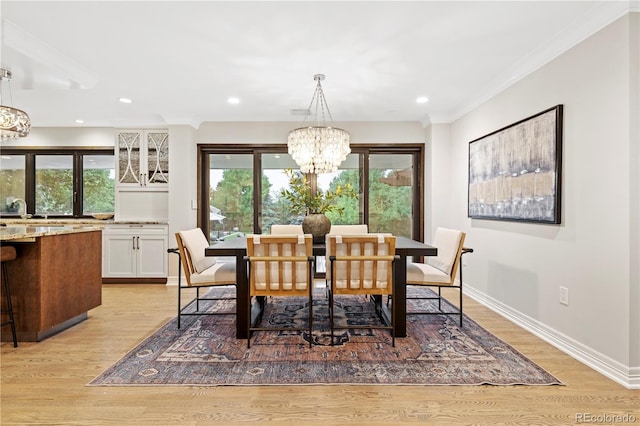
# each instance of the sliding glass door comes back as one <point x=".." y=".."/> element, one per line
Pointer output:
<point x="229" y="209"/>
<point x="240" y="189"/>
<point x="273" y="209"/>
<point x="391" y="182"/>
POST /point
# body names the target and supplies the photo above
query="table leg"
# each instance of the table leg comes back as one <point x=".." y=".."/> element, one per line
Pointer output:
<point x="242" y="304"/>
<point x="400" y="297"/>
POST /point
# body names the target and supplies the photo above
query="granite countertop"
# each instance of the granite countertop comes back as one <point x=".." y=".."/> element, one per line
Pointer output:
<point x="75" y="222"/>
<point x="31" y="232"/>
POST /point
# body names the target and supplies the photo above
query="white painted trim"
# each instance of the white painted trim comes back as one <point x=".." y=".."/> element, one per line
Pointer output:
<point x="621" y="374"/>
<point x="173" y="280"/>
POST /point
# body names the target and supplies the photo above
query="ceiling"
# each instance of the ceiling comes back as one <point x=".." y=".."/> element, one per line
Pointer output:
<point x="180" y="61"/>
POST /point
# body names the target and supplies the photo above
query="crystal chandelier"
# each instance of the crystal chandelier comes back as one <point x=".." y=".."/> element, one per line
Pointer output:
<point x="319" y="148"/>
<point x="14" y="123"/>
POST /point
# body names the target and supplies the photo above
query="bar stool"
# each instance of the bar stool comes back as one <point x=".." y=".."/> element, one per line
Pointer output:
<point x="8" y="254"/>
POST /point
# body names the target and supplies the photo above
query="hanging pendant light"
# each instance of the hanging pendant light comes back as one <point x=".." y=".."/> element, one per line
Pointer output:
<point x="319" y="148"/>
<point x="14" y="123"/>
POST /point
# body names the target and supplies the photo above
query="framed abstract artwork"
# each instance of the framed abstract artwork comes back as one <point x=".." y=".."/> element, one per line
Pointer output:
<point x="515" y="172"/>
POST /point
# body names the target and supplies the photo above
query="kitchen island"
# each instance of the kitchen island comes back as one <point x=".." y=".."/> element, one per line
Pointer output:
<point x="56" y="278"/>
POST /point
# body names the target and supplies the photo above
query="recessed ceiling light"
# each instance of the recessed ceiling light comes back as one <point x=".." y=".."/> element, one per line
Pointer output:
<point x="125" y="100"/>
<point x="79" y="121"/>
<point x="233" y="100"/>
<point x="422" y="100"/>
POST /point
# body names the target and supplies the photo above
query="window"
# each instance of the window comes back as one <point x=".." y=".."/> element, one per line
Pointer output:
<point x="57" y="182"/>
<point x="239" y="188"/>
<point x="12" y="182"/>
<point x="98" y="184"/>
<point x="54" y="185"/>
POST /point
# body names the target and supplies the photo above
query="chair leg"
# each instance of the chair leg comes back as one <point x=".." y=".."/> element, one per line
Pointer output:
<point x="460" y="290"/>
<point x="311" y="317"/>
<point x="179" y="301"/>
<point x="249" y="324"/>
<point x="7" y="292"/>
<point x="331" y="309"/>
<point x="393" y="323"/>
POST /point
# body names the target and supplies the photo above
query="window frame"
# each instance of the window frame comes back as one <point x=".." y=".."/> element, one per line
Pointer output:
<point x="364" y="150"/>
<point x="78" y="155"/>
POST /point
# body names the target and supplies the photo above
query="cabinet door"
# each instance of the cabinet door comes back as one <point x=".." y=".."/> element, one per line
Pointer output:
<point x="131" y="153"/>
<point x="119" y="260"/>
<point x="151" y="253"/>
<point x="157" y="163"/>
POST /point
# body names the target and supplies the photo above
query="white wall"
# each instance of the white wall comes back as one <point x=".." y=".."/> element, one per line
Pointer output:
<point x="518" y="268"/>
<point x="66" y="136"/>
<point x="276" y="132"/>
<point x="183" y="178"/>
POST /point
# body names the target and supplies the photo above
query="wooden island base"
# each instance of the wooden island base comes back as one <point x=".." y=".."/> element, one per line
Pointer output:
<point x="54" y="282"/>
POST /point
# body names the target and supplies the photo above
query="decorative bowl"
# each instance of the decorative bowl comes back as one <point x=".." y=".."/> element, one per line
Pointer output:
<point x="102" y="216"/>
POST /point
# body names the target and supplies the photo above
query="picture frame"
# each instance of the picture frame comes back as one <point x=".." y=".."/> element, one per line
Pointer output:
<point x="515" y="173"/>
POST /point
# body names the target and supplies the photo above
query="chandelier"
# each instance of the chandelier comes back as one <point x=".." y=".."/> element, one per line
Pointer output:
<point x="319" y="148"/>
<point x="14" y="123"/>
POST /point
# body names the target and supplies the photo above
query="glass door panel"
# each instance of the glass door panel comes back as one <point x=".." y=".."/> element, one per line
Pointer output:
<point x="391" y="194"/>
<point x="158" y="157"/>
<point x="347" y="173"/>
<point x="273" y="207"/>
<point x="129" y="150"/>
<point x="230" y="196"/>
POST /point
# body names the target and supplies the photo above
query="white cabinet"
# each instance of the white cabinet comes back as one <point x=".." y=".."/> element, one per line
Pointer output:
<point x="135" y="251"/>
<point x="143" y="159"/>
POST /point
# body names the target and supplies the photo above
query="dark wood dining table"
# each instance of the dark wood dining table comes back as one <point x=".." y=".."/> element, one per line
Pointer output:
<point x="405" y="247"/>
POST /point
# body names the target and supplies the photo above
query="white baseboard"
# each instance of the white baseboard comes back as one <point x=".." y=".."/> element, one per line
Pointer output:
<point x="173" y="280"/>
<point x="628" y="377"/>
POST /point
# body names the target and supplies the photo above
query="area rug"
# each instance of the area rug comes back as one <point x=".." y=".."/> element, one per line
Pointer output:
<point x="436" y="351"/>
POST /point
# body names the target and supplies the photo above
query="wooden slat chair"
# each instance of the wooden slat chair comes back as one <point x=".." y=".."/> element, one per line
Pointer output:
<point x="280" y="265"/>
<point x="359" y="229"/>
<point x="361" y="265"/>
<point x="440" y="271"/>
<point x="200" y="272"/>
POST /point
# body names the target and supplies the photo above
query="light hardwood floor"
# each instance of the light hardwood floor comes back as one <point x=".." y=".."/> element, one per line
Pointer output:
<point x="44" y="383"/>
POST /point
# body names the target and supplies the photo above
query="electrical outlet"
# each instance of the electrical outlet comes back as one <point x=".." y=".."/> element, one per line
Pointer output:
<point x="564" y="296"/>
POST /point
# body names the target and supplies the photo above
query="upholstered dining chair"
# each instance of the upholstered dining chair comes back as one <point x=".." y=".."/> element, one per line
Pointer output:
<point x="359" y="229"/>
<point x="440" y="271"/>
<point x="286" y="229"/>
<point x="200" y="272"/>
<point x="280" y="265"/>
<point x="361" y="265"/>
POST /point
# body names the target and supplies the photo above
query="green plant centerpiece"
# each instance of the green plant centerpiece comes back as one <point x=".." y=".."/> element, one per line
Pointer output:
<point x="314" y="205"/>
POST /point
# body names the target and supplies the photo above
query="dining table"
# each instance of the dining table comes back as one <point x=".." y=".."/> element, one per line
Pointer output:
<point x="405" y="248"/>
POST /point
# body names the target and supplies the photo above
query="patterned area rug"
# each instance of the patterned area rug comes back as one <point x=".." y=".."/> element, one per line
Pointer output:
<point x="436" y="351"/>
